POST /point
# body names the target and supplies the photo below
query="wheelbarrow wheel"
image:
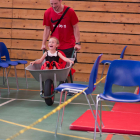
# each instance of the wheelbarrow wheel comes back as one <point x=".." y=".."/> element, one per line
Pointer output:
<point x="48" y="91"/>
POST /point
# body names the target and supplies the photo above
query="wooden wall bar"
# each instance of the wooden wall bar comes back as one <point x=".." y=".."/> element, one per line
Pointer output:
<point x="106" y="26"/>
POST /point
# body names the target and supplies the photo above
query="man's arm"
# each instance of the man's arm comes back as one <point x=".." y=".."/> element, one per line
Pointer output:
<point x="77" y="36"/>
<point x="45" y="37"/>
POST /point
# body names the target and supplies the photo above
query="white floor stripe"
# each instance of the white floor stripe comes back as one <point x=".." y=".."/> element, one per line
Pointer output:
<point x="24" y="99"/>
<point x="7" y="102"/>
<point x="54" y="101"/>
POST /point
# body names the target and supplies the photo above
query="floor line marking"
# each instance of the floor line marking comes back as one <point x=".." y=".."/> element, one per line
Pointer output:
<point x="126" y="137"/>
<point x="44" y="130"/>
<point x="54" y="101"/>
<point x="109" y="137"/>
<point x="23" y="89"/>
<point x="24" y="99"/>
<point x="7" y="102"/>
<point x="106" y="107"/>
<point x="32" y="90"/>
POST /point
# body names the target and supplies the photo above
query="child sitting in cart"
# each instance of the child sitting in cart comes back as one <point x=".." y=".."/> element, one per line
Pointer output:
<point x="52" y="57"/>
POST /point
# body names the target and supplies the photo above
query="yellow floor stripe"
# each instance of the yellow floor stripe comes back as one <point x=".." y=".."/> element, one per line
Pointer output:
<point x="126" y="137"/>
<point x="44" y="130"/>
<point x="22" y="89"/>
<point x="105" y="106"/>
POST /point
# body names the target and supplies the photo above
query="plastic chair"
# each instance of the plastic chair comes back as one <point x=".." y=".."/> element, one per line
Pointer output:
<point x="75" y="88"/>
<point x="108" y="62"/>
<point x="121" y="73"/>
<point x="4" y="52"/>
<point x="4" y="66"/>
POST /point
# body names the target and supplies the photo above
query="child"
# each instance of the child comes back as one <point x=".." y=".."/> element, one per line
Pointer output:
<point x="51" y="56"/>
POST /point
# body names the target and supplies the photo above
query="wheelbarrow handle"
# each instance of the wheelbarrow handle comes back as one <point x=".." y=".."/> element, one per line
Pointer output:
<point x="74" y="50"/>
<point x="44" y="50"/>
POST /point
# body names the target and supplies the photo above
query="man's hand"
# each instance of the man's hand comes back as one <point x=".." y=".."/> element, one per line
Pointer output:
<point x="43" y="47"/>
<point x="77" y="47"/>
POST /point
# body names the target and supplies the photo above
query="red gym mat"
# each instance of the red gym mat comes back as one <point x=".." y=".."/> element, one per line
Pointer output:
<point x="114" y="122"/>
<point x="127" y="107"/>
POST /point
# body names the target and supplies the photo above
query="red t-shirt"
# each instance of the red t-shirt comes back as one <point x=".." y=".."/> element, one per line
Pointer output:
<point x="64" y="31"/>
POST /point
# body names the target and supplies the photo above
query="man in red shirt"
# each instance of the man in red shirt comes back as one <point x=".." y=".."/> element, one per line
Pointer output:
<point x="67" y="31"/>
